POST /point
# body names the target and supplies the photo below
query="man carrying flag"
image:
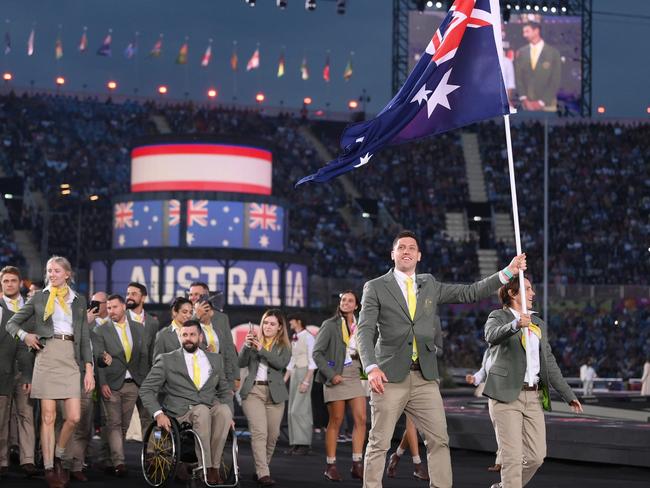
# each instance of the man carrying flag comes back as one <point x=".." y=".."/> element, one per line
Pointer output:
<point x="456" y="82"/>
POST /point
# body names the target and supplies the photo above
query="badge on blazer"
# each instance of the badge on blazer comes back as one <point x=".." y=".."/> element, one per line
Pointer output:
<point x="428" y="306"/>
<point x="546" y="65"/>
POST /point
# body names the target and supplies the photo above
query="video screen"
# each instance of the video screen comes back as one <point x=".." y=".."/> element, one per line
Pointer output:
<point x="542" y="58"/>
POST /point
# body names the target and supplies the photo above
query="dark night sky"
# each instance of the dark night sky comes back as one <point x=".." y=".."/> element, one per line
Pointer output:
<point x="621" y="69"/>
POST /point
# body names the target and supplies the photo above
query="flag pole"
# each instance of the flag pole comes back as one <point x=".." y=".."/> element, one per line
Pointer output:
<point x="515" y="209"/>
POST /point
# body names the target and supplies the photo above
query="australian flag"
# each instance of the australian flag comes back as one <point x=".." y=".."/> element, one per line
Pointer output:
<point x="456" y="82"/>
<point x="144" y="224"/>
<point x="265" y="226"/>
<point x="213" y="223"/>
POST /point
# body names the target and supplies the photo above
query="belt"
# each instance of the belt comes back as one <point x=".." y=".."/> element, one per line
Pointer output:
<point x="415" y="366"/>
<point x="261" y="383"/>
<point x="63" y="337"/>
<point x="535" y="387"/>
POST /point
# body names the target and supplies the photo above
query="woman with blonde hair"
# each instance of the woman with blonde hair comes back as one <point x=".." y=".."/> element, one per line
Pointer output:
<point x="266" y="354"/>
<point x="53" y="324"/>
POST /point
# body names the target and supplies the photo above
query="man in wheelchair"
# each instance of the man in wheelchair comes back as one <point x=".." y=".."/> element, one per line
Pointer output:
<point x="192" y="386"/>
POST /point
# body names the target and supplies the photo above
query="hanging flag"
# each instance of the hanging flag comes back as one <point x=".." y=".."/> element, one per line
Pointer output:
<point x="304" y="70"/>
<point x="58" y="47"/>
<point x="7" y="43"/>
<point x="156" y="51"/>
<point x="207" y="55"/>
<point x="254" y="61"/>
<point x="347" y="73"/>
<point x="182" y="53"/>
<point x="233" y="57"/>
<point x="83" y="43"/>
<point x="30" y="42"/>
<point x="326" y="69"/>
<point x="105" y="48"/>
<point x="281" y="65"/>
<point x="457" y="81"/>
<point x="132" y="48"/>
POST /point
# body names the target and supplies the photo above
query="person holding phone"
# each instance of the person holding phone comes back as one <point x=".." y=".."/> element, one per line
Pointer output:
<point x="264" y="393"/>
<point x="339" y="370"/>
<point x="53" y="324"/>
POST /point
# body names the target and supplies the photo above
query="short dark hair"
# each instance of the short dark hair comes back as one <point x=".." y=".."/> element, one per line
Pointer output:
<point x="139" y="286"/>
<point x="116" y="296"/>
<point x="297" y="316"/>
<point x="201" y="284"/>
<point x="534" y="25"/>
<point x="406" y="233"/>
<point x="10" y="270"/>
<point x="193" y="323"/>
<point x="513" y="285"/>
<point x="179" y="302"/>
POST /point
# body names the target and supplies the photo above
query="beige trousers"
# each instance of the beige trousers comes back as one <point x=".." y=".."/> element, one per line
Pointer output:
<point x="521" y="436"/>
<point x="211" y="425"/>
<point x="75" y="451"/>
<point x="119" y="409"/>
<point x="23" y="420"/>
<point x="421" y="401"/>
<point x="264" y="419"/>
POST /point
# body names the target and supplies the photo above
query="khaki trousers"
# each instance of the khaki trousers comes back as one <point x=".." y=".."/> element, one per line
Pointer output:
<point x="300" y="418"/>
<point x="521" y="436"/>
<point x="421" y="401"/>
<point x="264" y="419"/>
<point x="23" y="419"/>
<point x="5" y="409"/>
<point x="119" y="409"/>
<point x="211" y="425"/>
<point x="75" y="451"/>
<point x="494" y="425"/>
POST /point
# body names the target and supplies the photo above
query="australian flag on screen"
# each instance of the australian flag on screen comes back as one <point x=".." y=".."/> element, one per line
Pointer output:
<point x="457" y="81"/>
<point x="143" y="224"/>
<point x="265" y="226"/>
<point x="212" y="223"/>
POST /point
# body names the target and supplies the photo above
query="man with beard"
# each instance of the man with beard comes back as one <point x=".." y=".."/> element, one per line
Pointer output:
<point x="194" y="389"/>
<point x="122" y="357"/>
<point x="136" y="294"/>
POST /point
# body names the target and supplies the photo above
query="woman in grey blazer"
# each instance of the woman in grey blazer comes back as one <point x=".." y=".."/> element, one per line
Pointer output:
<point x="53" y="323"/>
<point x="266" y="354"/>
<point x="339" y="369"/>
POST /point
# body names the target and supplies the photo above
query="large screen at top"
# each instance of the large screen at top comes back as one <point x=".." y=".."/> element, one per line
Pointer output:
<point x="542" y="57"/>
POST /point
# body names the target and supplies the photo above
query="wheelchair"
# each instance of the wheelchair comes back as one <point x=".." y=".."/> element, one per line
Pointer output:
<point x="163" y="451"/>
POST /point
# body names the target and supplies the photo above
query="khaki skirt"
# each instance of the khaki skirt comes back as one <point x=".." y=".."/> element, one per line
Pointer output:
<point x="56" y="372"/>
<point x="350" y="387"/>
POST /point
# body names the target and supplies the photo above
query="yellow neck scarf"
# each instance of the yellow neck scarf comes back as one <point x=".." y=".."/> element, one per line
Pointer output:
<point x="58" y="294"/>
<point x="268" y="343"/>
<point x="534" y="329"/>
<point x="345" y="332"/>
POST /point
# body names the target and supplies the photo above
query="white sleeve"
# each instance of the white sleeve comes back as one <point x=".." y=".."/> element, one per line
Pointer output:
<point x="310" y="352"/>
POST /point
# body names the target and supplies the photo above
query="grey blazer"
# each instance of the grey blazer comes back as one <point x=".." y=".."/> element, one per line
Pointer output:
<point x="277" y="360"/>
<point x="30" y="319"/>
<point x="506" y="375"/>
<point x="384" y="311"/>
<point x="329" y="350"/>
<point x="166" y="341"/>
<point x="227" y="349"/>
<point x="151" y="326"/>
<point x="12" y="353"/>
<point x="106" y="338"/>
<point x="169" y="378"/>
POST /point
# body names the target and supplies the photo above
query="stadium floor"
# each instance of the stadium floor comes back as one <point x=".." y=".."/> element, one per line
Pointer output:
<point x="293" y="472"/>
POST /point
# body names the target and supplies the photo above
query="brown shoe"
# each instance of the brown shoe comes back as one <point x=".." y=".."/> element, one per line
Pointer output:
<point x="494" y="469"/>
<point x="121" y="471"/>
<point x="357" y="470"/>
<point x="61" y="473"/>
<point x="393" y="461"/>
<point x="420" y="472"/>
<point x="52" y="479"/>
<point x="183" y="472"/>
<point x="265" y="481"/>
<point x="29" y="469"/>
<point x="213" y="476"/>
<point x="331" y="473"/>
<point x="78" y="476"/>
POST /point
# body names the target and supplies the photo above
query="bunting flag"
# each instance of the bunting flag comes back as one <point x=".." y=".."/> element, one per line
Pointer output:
<point x="254" y="61"/>
<point x="326" y="69"/>
<point x="347" y="74"/>
<point x="304" y="70"/>
<point x="156" y="51"/>
<point x="105" y="48"/>
<point x="83" y="43"/>
<point x="132" y="48"/>
<point x="207" y="55"/>
<point x="281" y="65"/>
<point x="182" y="53"/>
<point x="58" y="47"/>
<point x="30" y="42"/>
<point x="233" y="57"/>
<point x="7" y="43"/>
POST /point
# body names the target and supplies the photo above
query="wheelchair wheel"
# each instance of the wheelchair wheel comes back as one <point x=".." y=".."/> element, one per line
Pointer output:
<point x="160" y="454"/>
<point x="229" y="467"/>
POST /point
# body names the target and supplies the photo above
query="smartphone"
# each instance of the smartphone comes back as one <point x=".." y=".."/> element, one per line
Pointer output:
<point x="94" y="306"/>
<point x="251" y="329"/>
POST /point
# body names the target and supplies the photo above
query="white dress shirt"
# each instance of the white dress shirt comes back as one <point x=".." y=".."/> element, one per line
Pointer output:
<point x="401" y="281"/>
<point x="61" y="320"/>
<point x="137" y="317"/>
<point x="204" y="365"/>
<point x="130" y="339"/>
<point x="10" y="306"/>
<point x="532" y="351"/>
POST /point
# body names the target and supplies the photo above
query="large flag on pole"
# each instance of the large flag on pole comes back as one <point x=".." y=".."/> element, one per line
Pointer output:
<point x="234" y="60"/>
<point x="347" y="72"/>
<point x="281" y="65"/>
<point x="58" y="47"/>
<point x="456" y="82"/>
<point x="183" y="52"/>
<point x="254" y="61"/>
<point x="83" y="42"/>
<point x="207" y="55"/>
<point x="30" y="42"/>
<point x="132" y="47"/>
<point x="105" y="48"/>
<point x="304" y="69"/>
<point x="326" y="69"/>
<point x="156" y="50"/>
